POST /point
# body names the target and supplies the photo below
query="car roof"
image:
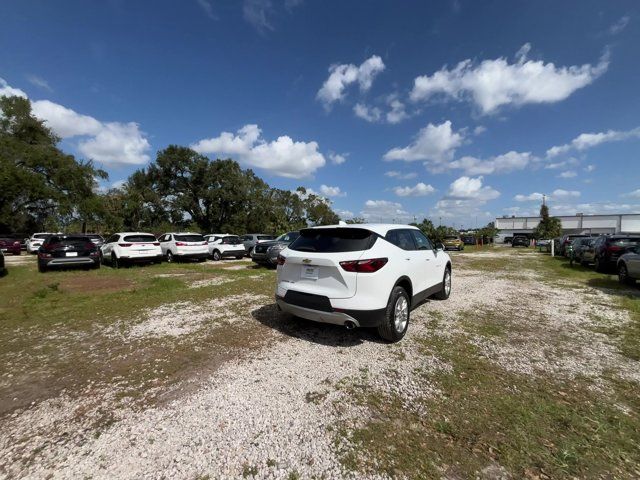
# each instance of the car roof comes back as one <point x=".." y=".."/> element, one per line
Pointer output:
<point x="221" y="235"/>
<point x="133" y="233"/>
<point x="182" y="233"/>
<point x="379" y="228"/>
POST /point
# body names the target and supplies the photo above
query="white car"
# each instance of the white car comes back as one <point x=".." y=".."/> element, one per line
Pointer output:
<point x="36" y="241"/>
<point x="366" y="275"/>
<point x="184" y="245"/>
<point x="130" y="247"/>
<point x="223" y="245"/>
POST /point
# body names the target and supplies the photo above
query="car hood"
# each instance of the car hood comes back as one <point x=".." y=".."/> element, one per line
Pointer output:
<point x="271" y="243"/>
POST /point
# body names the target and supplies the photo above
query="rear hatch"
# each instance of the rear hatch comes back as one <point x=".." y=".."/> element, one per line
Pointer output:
<point x="312" y="262"/>
<point x="69" y="247"/>
<point x="191" y="243"/>
<point x="231" y="244"/>
<point x="619" y="246"/>
<point x="140" y="245"/>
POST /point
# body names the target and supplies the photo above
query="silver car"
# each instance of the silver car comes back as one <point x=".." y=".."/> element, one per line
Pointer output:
<point x="629" y="266"/>
<point x="250" y="240"/>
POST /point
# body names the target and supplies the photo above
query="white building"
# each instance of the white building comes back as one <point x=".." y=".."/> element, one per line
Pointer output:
<point x="621" y="223"/>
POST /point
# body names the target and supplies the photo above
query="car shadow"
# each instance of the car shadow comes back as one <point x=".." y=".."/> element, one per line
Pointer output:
<point x="314" y="332"/>
<point x="613" y="287"/>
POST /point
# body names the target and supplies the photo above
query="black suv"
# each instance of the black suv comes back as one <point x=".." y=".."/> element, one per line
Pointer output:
<point x="608" y="248"/>
<point x="68" y="251"/>
<point x="520" y="241"/>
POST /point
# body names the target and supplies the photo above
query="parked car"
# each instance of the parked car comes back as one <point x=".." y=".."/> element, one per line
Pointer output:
<point x="98" y="240"/>
<point x="36" y="240"/>
<point x="266" y="253"/>
<point x="508" y="239"/>
<point x="68" y="251"/>
<point x="453" y="242"/>
<point x="10" y="245"/>
<point x="566" y="240"/>
<point x="2" y="267"/>
<point x="250" y="240"/>
<point x="608" y="248"/>
<point x="223" y="245"/>
<point x="394" y="267"/>
<point x="629" y="265"/>
<point x="520" y="241"/>
<point x="468" y="239"/>
<point x="130" y="247"/>
<point x="582" y="250"/>
<point x="184" y="245"/>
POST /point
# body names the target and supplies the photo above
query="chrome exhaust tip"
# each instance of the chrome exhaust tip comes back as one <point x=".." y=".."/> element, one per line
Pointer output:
<point x="349" y="325"/>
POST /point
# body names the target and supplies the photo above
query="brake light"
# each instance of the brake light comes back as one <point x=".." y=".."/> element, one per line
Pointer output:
<point x="614" y="248"/>
<point x="203" y="243"/>
<point x="181" y="244"/>
<point x="281" y="259"/>
<point x="44" y="255"/>
<point x="125" y="244"/>
<point x="364" y="266"/>
<point x="157" y="244"/>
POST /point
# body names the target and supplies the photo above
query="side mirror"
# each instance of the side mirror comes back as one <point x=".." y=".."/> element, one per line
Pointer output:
<point x="439" y="246"/>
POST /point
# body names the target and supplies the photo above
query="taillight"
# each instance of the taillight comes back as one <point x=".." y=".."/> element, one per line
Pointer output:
<point x="44" y="255"/>
<point x="364" y="266"/>
<point x="203" y="243"/>
<point x="281" y="259"/>
<point x="124" y="244"/>
<point x="181" y="244"/>
<point x="614" y="248"/>
<point x="157" y="244"/>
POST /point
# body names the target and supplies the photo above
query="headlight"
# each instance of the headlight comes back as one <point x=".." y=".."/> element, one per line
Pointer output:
<point x="276" y="248"/>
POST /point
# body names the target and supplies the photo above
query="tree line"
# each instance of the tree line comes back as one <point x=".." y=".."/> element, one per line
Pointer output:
<point x="44" y="189"/>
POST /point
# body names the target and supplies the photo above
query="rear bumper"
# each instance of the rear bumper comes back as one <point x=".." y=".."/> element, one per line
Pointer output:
<point x="145" y="259"/>
<point x="264" y="258"/>
<point x="12" y="251"/>
<point x="68" y="261"/>
<point x="232" y="253"/>
<point x="334" y="316"/>
<point x="196" y="255"/>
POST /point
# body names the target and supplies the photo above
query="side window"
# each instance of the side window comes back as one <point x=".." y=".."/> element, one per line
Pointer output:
<point x="422" y="242"/>
<point x="401" y="238"/>
<point x="161" y="238"/>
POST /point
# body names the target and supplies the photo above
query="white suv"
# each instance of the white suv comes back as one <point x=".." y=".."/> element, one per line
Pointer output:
<point x="223" y="245"/>
<point x="130" y="247"/>
<point x="184" y="245"/>
<point x="36" y="241"/>
<point x="361" y="276"/>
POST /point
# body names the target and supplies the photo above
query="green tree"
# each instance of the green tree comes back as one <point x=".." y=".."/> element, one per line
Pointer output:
<point x="39" y="184"/>
<point x="549" y="227"/>
<point x="356" y="221"/>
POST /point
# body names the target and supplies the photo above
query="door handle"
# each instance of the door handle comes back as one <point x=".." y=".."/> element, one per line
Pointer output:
<point x="407" y="259"/>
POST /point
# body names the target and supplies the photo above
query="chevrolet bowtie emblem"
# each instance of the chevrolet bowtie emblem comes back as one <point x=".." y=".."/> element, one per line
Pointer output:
<point x="306" y="260"/>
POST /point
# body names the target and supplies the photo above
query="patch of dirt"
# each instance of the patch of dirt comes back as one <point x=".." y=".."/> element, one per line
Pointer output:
<point x="81" y="284"/>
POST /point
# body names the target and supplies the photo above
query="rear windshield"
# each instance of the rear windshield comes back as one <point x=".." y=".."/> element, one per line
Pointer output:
<point x="41" y="236"/>
<point x="449" y="237"/>
<point x="95" y="237"/>
<point x="266" y="237"/>
<point x="70" y="240"/>
<point x="231" y="240"/>
<point x="189" y="238"/>
<point x="140" y="238"/>
<point x="331" y="240"/>
<point x="625" y="242"/>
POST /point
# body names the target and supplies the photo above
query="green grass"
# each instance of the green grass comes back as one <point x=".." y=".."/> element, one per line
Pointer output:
<point x="486" y="415"/>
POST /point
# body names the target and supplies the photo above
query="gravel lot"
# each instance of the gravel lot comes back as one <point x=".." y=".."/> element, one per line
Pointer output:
<point x="274" y="413"/>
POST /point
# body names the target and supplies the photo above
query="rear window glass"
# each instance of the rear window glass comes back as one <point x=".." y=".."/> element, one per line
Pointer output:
<point x="140" y="238"/>
<point x="449" y="237"/>
<point x="266" y="237"/>
<point x="41" y="236"/>
<point x="333" y="240"/>
<point x="231" y="240"/>
<point x="95" y="237"/>
<point x="189" y="238"/>
<point x="625" y="242"/>
<point x="71" y="240"/>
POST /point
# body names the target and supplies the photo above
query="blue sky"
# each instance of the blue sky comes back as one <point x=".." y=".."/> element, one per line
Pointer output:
<point x="458" y="111"/>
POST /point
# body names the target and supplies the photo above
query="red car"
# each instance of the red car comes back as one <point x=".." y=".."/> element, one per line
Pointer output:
<point x="10" y="245"/>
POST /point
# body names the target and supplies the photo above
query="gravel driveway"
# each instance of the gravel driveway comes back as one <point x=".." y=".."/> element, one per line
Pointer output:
<point x="275" y="414"/>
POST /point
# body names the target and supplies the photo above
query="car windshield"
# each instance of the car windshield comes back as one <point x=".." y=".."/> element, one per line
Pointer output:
<point x="266" y="237"/>
<point x="189" y="238"/>
<point x="231" y="240"/>
<point x="288" y="237"/>
<point x="331" y="240"/>
<point x="140" y="238"/>
<point x="625" y="242"/>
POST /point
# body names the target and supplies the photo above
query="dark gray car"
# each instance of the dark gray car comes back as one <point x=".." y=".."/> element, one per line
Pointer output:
<point x="266" y="253"/>
<point x="250" y="240"/>
<point x="629" y="265"/>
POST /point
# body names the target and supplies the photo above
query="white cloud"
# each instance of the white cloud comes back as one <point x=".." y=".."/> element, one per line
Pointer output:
<point x="435" y="144"/>
<point x="397" y="112"/>
<point x="593" y="208"/>
<point x="479" y="130"/>
<point x="39" y="82"/>
<point x="468" y="188"/>
<point x="505" y="163"/>
<point x="634" y="194"/>
<point x="343" y="75"/>
<point x="207" y="8"/>
<point x="370" y="114"/>
<point x="568" y="174"/>
<point x="384" y="211"/>
<point x="589" y="168"/>
<point x="256" y="13"/>
<point x="400" y="175"/>
<point x="585" y="141"/>
<point x="495" y="83"/>
<point x="570" y="162"/>
<point x="338" y="158"/>
<point x="111" y="143"/>
<point x="558" y="194"/>
<point x="328" y="191"/>
<point x="620" y="25"/>
<point x="419" y="190"/>
<point x="344" y="214"/>
<point x="8" y="91"/>
<point x="283" y="157"/>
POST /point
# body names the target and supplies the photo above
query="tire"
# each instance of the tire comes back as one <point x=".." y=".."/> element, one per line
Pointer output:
<point x="584" y="263"/>
<point x="115" y="263"/>
<point x="239" y="257"/>
<point x="250" y="252"/>
<point x="396" y="318"/>
<point x="623" y="275"/>
<point x="445" y="291"/>
<point x="95" y="266"/>
<point x="598" y="265"/>
<point x="170" y="258"/>
<point x="42" y="268"/>
<point x="216" y="256"/>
